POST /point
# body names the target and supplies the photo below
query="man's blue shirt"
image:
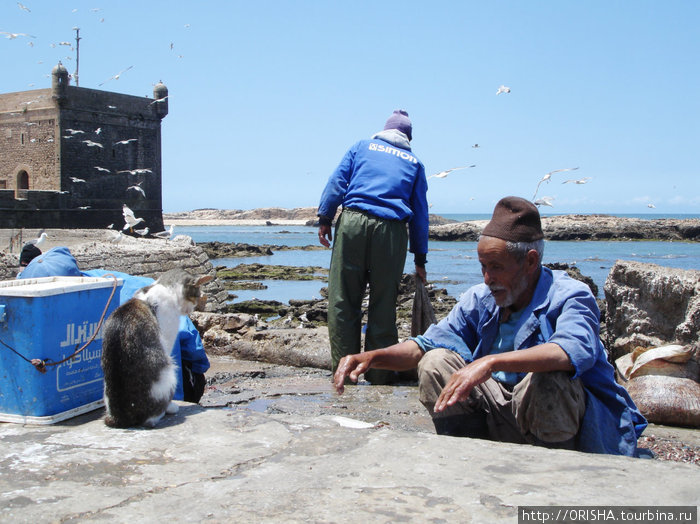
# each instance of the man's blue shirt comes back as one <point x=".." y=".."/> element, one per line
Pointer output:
<point x="562" y="311"/>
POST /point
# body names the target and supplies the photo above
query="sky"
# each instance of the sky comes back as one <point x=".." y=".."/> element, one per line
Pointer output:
<point x="265" y="97"/>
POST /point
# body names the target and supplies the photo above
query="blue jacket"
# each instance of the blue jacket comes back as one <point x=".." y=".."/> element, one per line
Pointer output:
<point x="562" y="311"/>
<point x="385" y="180"/>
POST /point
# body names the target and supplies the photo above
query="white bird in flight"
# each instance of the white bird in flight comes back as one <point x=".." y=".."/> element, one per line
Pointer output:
<point x="77" y="180"/>
<point x="90" y="143"/>
<point x="102" y="169"/>
<point x="443" y="174"/>
<point x="140" y="171"/>
<point x="129" y="218"/>
<point x="579" y="181"/>
<point x="650" y="205"/>
<point x="159" y="100"/>
<point x="116" y="77"/>
<point x="24" y="7"/>
<point x="124" y="142"/>
<point x="503" y="89"/>
<point x="74" y="131"/>
<point x="547" y="176"/>
<point x="137" y="187"/>
<point x="544" y="201"/>
<point x="12" y="36"/>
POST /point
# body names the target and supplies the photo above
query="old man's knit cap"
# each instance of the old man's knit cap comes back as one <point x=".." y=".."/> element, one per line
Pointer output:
<point x="399" y="120"/>
<point x="515" y="220"/>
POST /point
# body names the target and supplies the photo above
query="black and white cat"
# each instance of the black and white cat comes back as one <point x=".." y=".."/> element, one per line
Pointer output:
<point x="140" y="375"/>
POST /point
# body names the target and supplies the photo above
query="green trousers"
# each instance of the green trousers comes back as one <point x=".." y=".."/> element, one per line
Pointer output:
<point x="366" y="250"/>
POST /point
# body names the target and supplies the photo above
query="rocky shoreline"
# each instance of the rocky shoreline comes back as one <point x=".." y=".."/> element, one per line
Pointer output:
<point x="559" y="227"/>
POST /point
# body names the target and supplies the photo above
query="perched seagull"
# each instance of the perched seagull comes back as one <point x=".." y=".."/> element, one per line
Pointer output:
<point x="138" y="188"/>
<point x="544" y="201"/>
<point x="116" y="77"/>
<point x="116" y="236"/>
<point x="77" y="180"/>
<point x="547" y="176"/>
<point x="129" y="218"/>
<point x="111" y="226"/>
<point x="164" y="234"/>
<point x="24" y="7"/>
<point x="102" y="169"/>
<point x="74" y="131"/>
<point x="90" y="143"/>
<point x="503" y="89"/>
<point x="443" y="174"/>
<point x="40" y="240"/>
<point x="579" y="181"/>
<point x="12" y="36"/>
<point x="124" y="142"/>
<point x="143" y="232"/>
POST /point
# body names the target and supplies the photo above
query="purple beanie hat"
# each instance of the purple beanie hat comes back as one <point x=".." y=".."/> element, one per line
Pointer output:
<point x="399" y="120"/>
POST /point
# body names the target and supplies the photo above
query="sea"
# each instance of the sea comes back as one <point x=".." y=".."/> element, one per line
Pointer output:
<point x="451" y="265"/>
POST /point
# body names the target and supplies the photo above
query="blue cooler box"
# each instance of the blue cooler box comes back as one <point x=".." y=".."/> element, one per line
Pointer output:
<point x="49" y="318"/>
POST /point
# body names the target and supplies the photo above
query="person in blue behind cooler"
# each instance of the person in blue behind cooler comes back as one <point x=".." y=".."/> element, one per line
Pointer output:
<point x="188" y="350"/>
<point x="519" y="358"/>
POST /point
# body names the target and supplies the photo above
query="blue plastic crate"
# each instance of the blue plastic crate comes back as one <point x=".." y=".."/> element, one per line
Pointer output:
<point x="49" y="318"/>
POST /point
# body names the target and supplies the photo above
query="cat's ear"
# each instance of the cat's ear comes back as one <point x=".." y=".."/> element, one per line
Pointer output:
<point x="203" y="280"/>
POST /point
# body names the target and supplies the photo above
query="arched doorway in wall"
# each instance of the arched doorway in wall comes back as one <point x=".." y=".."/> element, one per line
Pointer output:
<point x="22" y="185"/>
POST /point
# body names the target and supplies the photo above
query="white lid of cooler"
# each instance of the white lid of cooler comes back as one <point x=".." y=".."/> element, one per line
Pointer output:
<point x="46" y="286"/>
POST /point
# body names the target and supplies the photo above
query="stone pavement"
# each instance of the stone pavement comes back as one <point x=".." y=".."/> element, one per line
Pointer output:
<point x="267" y="459"/>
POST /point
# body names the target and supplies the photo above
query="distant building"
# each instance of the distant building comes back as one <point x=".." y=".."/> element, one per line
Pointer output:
<point x="71" y="157"/>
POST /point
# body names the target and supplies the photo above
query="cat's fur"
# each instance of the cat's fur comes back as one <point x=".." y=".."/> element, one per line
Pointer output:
<point x="140" y="375"/>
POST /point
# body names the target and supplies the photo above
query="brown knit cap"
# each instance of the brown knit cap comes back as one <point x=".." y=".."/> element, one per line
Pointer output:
<point x="516" y="220"/>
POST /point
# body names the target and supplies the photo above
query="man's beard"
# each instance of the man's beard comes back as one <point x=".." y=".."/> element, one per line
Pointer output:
<point x="512" y="295"/>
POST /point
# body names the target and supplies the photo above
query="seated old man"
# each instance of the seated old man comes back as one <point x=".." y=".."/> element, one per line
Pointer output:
<point x="519" y="358"/>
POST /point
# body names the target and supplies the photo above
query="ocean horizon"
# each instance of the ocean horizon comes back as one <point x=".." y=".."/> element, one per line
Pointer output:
<point x="452" y="265"/>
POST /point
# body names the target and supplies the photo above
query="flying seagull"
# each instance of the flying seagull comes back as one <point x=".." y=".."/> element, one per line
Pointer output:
<point x="579" y="181"/>
<point x="544" y="201"/>
<point x="159" y="100"/>
<point x="74" y="131"/>
<point x="137" y="187"/>
<point x="102" y="169"/>
<point x="123" y="142"/>
<point x="116" y="77"/>
<point x="650" y="205"/>
<point x="90" y="143"/>
<point x="129" y="218"/>
<point x="77" y="180"/>
<point x="547" y="176"/>
<point x="443" y="174"/>
<point x="12" y="36"/>
<point x="503" y="89"/>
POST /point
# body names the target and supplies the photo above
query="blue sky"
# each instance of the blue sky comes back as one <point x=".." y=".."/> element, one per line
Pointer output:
<point x="265" y="97"/>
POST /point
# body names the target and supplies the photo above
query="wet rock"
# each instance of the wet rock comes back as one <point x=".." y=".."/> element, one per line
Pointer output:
<point x="650" y="305"/>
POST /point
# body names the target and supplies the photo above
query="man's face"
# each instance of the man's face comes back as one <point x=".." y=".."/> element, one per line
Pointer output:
<point x="506" y="277"/>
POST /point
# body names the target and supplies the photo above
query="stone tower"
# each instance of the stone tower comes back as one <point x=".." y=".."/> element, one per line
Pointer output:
<point x="71" y="157"/>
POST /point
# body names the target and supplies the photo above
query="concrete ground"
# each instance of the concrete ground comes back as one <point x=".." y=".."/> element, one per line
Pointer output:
<point x="285" y="449"/>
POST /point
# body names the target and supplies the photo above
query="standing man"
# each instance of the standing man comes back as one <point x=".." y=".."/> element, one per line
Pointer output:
<point x="381" y="187"/>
